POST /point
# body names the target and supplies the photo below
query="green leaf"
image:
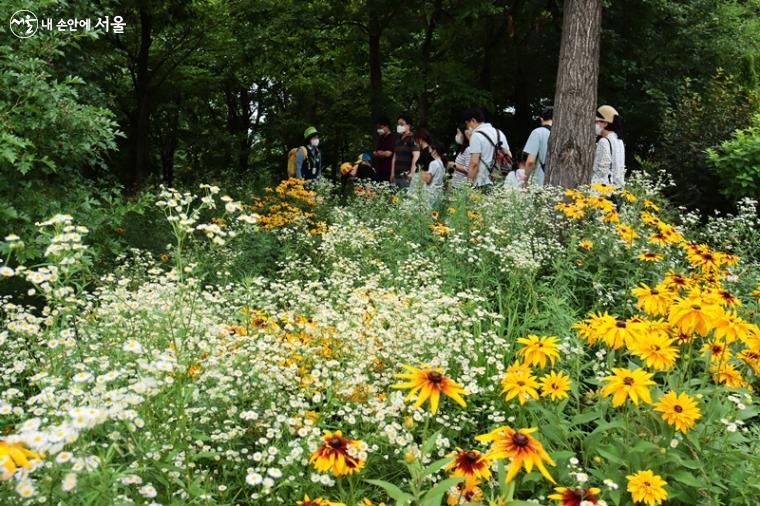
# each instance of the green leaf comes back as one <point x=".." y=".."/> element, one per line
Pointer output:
<point x="436" y="466"/>
<point x="393" y="491"/>
<point x="435" y="494"/>
<point x="687" y="479"/>
<point x="583" y="418"/>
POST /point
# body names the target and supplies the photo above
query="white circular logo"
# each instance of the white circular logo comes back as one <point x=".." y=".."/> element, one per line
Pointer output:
<point x="24" y="24"/>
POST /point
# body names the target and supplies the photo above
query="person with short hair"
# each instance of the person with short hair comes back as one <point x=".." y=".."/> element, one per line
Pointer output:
<point x="309" y="163"/>
<point x="384" y="148"/>
<point x="405" y="154"/>
<point x="609" y="159"/>
<point x="485" y="139"/>
<point x="536" y="149"/>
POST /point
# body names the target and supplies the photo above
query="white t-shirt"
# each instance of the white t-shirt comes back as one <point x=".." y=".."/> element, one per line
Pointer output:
<point x="434" y="188"/>
<point x="463" y="158"/>
<point x="480" y="145"/>
<point x="538" y="145"/>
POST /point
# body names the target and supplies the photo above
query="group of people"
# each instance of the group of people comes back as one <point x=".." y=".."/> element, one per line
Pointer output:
<point x="410" y="156"/>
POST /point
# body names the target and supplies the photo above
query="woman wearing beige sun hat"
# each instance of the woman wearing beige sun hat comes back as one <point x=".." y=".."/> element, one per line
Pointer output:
<point x="609" y="161"/>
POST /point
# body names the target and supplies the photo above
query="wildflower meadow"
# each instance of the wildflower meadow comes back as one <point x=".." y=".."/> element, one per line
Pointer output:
<point x="516" y="347"/>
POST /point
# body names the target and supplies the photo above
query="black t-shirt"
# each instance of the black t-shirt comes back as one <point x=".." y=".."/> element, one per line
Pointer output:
<point x="425" y="158"/>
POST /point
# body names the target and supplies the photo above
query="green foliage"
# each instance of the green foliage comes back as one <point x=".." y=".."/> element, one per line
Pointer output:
<point x="44" y="124"/>
<point x="737" y="163"/>
<point x="701" y="118"/>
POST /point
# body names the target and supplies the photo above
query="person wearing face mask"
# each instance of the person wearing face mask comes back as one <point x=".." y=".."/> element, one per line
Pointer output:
<point x="487" y="145"/>
<point x="309" y="160"/>
<point x="384" y="148"/>
<point x="461" y="164"/>
<point x="609" y="160"/>
<point x="405" y="153"/>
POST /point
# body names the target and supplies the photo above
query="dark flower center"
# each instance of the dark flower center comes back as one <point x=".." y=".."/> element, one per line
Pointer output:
<point x="620" y="324"/>
<point x="696" y="307"/>
<point x="654" y="291"/>
<point x="335" y="442"/>
<point x="435" y="377"/>
<point x="471" y="456"/>
<point x="520" y="439"/>
<point x="628" y="381"/>
<point x="678" y="409"/>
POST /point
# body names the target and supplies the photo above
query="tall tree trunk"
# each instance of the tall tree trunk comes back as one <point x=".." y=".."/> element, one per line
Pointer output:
<point x="375" y="69"/>
<point x="571" y="144"/>
<point x="139" y="131"/>
<point x="426" y="50"/>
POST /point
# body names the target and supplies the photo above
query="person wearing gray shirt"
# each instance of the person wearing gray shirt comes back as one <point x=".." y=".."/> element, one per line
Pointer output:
<point x="536" y="149"/>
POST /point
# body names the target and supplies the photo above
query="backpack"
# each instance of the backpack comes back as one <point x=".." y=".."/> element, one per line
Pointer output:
<point x="502" y="162"/>
<point x="292" y="160"/>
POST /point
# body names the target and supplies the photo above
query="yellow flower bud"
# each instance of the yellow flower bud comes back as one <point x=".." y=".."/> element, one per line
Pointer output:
<point x="409" y="456"/>
<point x="409" y="422"/>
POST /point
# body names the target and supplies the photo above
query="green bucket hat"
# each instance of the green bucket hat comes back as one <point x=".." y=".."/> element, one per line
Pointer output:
<point x="310" y="132"/>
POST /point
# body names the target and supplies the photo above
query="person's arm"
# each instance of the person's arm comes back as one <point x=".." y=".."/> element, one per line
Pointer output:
<point x="473" y="169"/>
<point x="415" y="157"/>
<point x="299" y="163"/>
<point x="529" y="164"/>
<point x="383" y="154"/>
<point x="393" y="169"/>
<point x="426" y="177"/>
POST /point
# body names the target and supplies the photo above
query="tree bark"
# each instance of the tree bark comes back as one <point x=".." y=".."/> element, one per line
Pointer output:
<point x="571" y="144"/>
<point x="139" y="132"/>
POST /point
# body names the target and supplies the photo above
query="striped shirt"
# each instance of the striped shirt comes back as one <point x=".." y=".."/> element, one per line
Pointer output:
<point x="405" y="148"/>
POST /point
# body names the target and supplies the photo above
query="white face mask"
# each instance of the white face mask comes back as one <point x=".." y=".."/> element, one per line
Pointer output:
<point x="315" y="142"/>
<point x="598" y="128"/>
<point x="401" y="129"/>
<point x="380" y="131"/>
<point x="459" y="139"/>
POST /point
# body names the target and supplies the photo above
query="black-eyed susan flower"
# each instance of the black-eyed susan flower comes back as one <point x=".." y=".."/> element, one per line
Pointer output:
<point x="592" y="328"/>
<point x="677" y="281"/>
<point x="652" y="300"/>
<point x="619" y="333"/>
<point x="726" y="374"/>
<point x="536" y="350"/>
<point x="518" y="445"/>
<point x="367" y="502"/>
<point x="519" y="382"/>
<point x="678" y="410"/>
<point x="628" y="384"/>
<point x="429" y="383"/>
<point x="575" y="496"/>
<point x="658" y="352"/>
<point x="626" y="233"/>
<point x="586" y="244"/>
<point x="555" y="385"/>
<point x="458" y="495"/>
<point x="694" y="313"/>
<point x="729" y="327"/>
<point x="471" y="465"/>
<point x="647" y="487"/>
<point x="751" y="358"/>
<point x="650" y="256"/>
<point x="339" y="455"/>
<point x="14" y="455"/>
<point x="317" y="501"/>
